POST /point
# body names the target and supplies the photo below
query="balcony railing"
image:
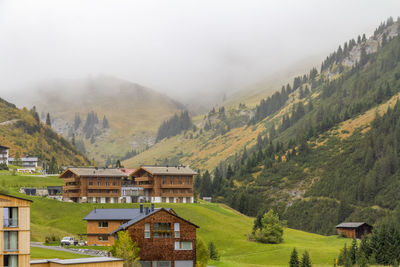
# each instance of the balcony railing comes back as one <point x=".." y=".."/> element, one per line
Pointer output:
<point x="10" y="223"/>
<point x="176" y="185"/>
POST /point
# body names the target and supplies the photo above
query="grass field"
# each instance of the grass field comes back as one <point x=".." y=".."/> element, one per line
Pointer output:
<point x="218" y="223"/>
<point x="41" y="253"/>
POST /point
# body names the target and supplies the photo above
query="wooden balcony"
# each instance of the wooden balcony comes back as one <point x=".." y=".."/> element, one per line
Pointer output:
<point x="103" y="194"/>
<point x="177" y="194"/>
<point x="70" y="180"/>
<point x="143" y="179"/>
<point x="145" y="185"/>
<point x="95" y="186"/>
<point x="71" y="194"/>
<point x="71" y="187"/>
<point x="177" y="186"/>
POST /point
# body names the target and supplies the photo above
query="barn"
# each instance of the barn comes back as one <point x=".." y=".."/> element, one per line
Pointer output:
<point x="353" y="229"/>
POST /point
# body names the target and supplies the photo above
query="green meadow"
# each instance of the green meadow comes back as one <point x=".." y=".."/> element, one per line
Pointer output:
<point x="227" y="228"/>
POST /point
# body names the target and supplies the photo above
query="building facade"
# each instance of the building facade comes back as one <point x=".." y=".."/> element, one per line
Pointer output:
<point x="4" y="155"/>
<point x="14" y="231"/>
<point x="164" y="184"/>
<point x="353" y="229"/>
<point x="29" y="163"/>
<point x="93" y="185"/>
<point x="164" y="239"/>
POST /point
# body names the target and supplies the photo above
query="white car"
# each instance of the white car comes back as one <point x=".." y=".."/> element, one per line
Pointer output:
<point x="68" y="241"/>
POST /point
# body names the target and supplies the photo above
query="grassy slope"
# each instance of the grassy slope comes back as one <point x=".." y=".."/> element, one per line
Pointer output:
<point x="41" y="253"/>
<point x="218" y="223"/>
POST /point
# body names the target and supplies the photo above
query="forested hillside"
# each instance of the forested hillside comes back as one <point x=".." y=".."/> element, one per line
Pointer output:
<point x="22" y="131"/>
<point x="330" y="152"/>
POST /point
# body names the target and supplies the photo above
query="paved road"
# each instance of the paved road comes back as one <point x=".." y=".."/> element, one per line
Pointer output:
<point x="40" y="245"/>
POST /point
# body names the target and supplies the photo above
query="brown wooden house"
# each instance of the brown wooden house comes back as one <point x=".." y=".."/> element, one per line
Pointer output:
<point x="165" y="183"/>
<point x="353" y="229"/>
<point x="164" y="238"/>
<point x="93" y="185"/>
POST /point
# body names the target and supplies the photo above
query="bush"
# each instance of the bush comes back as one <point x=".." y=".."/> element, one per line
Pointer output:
<point x="270" y="231"/>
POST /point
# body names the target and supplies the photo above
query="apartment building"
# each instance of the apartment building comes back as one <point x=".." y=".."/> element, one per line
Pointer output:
<point x="93" y="185"/>
<point x="14" y="231"/>
<point x="165" y="184"/>
<point x="4" y="155"/>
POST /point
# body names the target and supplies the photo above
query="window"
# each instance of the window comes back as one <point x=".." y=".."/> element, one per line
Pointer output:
<point x="103" y="237"/>
<point x="177" y="232"/>
<point x="145" y="263"/>
<point x="187" y="180"/>
<point x="10" y="217"/>
<point x="10" y="241"/>
<point x="179" y="180"/>
<point x="185" y="245"/>
<point x="10" y="261"/>
<point x="114" y="181"/>
<point x="164" y="179"/>
<point x="162" y="230"/>
<point x="90" y="181"/>
<point x="146" y="230"/>
<point x="103" y="224"/>
<point x="161" y="264"/>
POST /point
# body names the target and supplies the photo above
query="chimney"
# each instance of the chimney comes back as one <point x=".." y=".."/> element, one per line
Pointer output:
<point x="152" y="207"/>
<point x="146" y="209"/>
<point x="141" y="208"/>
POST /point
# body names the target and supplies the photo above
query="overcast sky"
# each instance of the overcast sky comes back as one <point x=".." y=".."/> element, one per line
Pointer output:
<point x="180" y="48"/>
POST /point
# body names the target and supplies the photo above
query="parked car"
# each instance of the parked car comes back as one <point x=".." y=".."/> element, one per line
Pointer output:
<point x="69" y="241"/>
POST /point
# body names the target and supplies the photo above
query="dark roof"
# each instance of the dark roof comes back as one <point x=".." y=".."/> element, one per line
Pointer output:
<point x="27" y="159"/>
<point x="95" y="172"/>
<point x="77" y="261"/>
<point x="160" y="170"/>
<point x="139" y="218"/>
<point x="351" y="224"/>
<point x="115" y="214"/>
<point x="4" y="147"/>
<point x="16" y="197"/>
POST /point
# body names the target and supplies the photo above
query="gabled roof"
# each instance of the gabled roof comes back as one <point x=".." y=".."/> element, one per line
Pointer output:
<point x="351" y="224"/>
<point x="1" y="194"/>
<point x="27" y="159"/>
<point x="160" y="170"/>
<point x="114" y="214"/>
<point x="95" y="172"/>
<point x="139" y="218"/>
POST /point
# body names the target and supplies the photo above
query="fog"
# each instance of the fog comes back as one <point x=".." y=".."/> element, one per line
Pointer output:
<point x="186" y="49"/>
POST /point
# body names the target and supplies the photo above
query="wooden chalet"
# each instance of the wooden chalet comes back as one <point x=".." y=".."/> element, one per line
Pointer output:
<point x="164" y="238"/>
<point x="14" y="231"/>
<point x="353" y="229"/>
<point x="93" y="185"/>
<point x="165" y="184"/>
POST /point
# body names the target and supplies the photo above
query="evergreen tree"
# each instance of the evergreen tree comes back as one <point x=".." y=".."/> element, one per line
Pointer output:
<point x="77" y="121"/>
<point x="48" y="120"/>
<point x="206" y="185"/>
<point x="73" y="139"/>
<point x="217" y="181"/>
<point x="294" y="259"/>
<point x="118" y="164"/>
<point x="305" y="260"/>
<point x="213" y="251"/>
<point x="353" y="251"/>
<point x="105" y="122"/>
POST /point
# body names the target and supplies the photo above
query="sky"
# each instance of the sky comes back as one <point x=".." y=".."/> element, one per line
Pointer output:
<point x="183" y="48"/>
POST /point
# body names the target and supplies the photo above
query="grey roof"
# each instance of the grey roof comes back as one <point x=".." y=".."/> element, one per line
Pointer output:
<point x="77" y="261"/>
<point x="143" y="215"/>
<point x="176" y="170"/>
<point x="96" y="172"/>
<point x="115" y="214"/>
<point x="30" y="159"/>
<point x="350" y="224"/>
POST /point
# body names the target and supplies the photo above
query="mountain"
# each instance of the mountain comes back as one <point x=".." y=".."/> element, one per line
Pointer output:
<point x="22" y="131"/>
<point x="321" y="150"/>
<point x="132" y="114"/>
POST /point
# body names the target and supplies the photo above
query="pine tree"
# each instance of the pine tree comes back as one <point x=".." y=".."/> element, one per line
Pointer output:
<point x="213" y="251"/>
<point x="118" y="164"/>
<point x="294" y="259"/>
<point x="77" y="121"/>
<point x="206" y="186"/>
<point x="105" y="122"/>
<point x="305" y="260"/>
<point x="48" y="120"/>
<point x="73" y="139"/>
<point x="353" y="251"/>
